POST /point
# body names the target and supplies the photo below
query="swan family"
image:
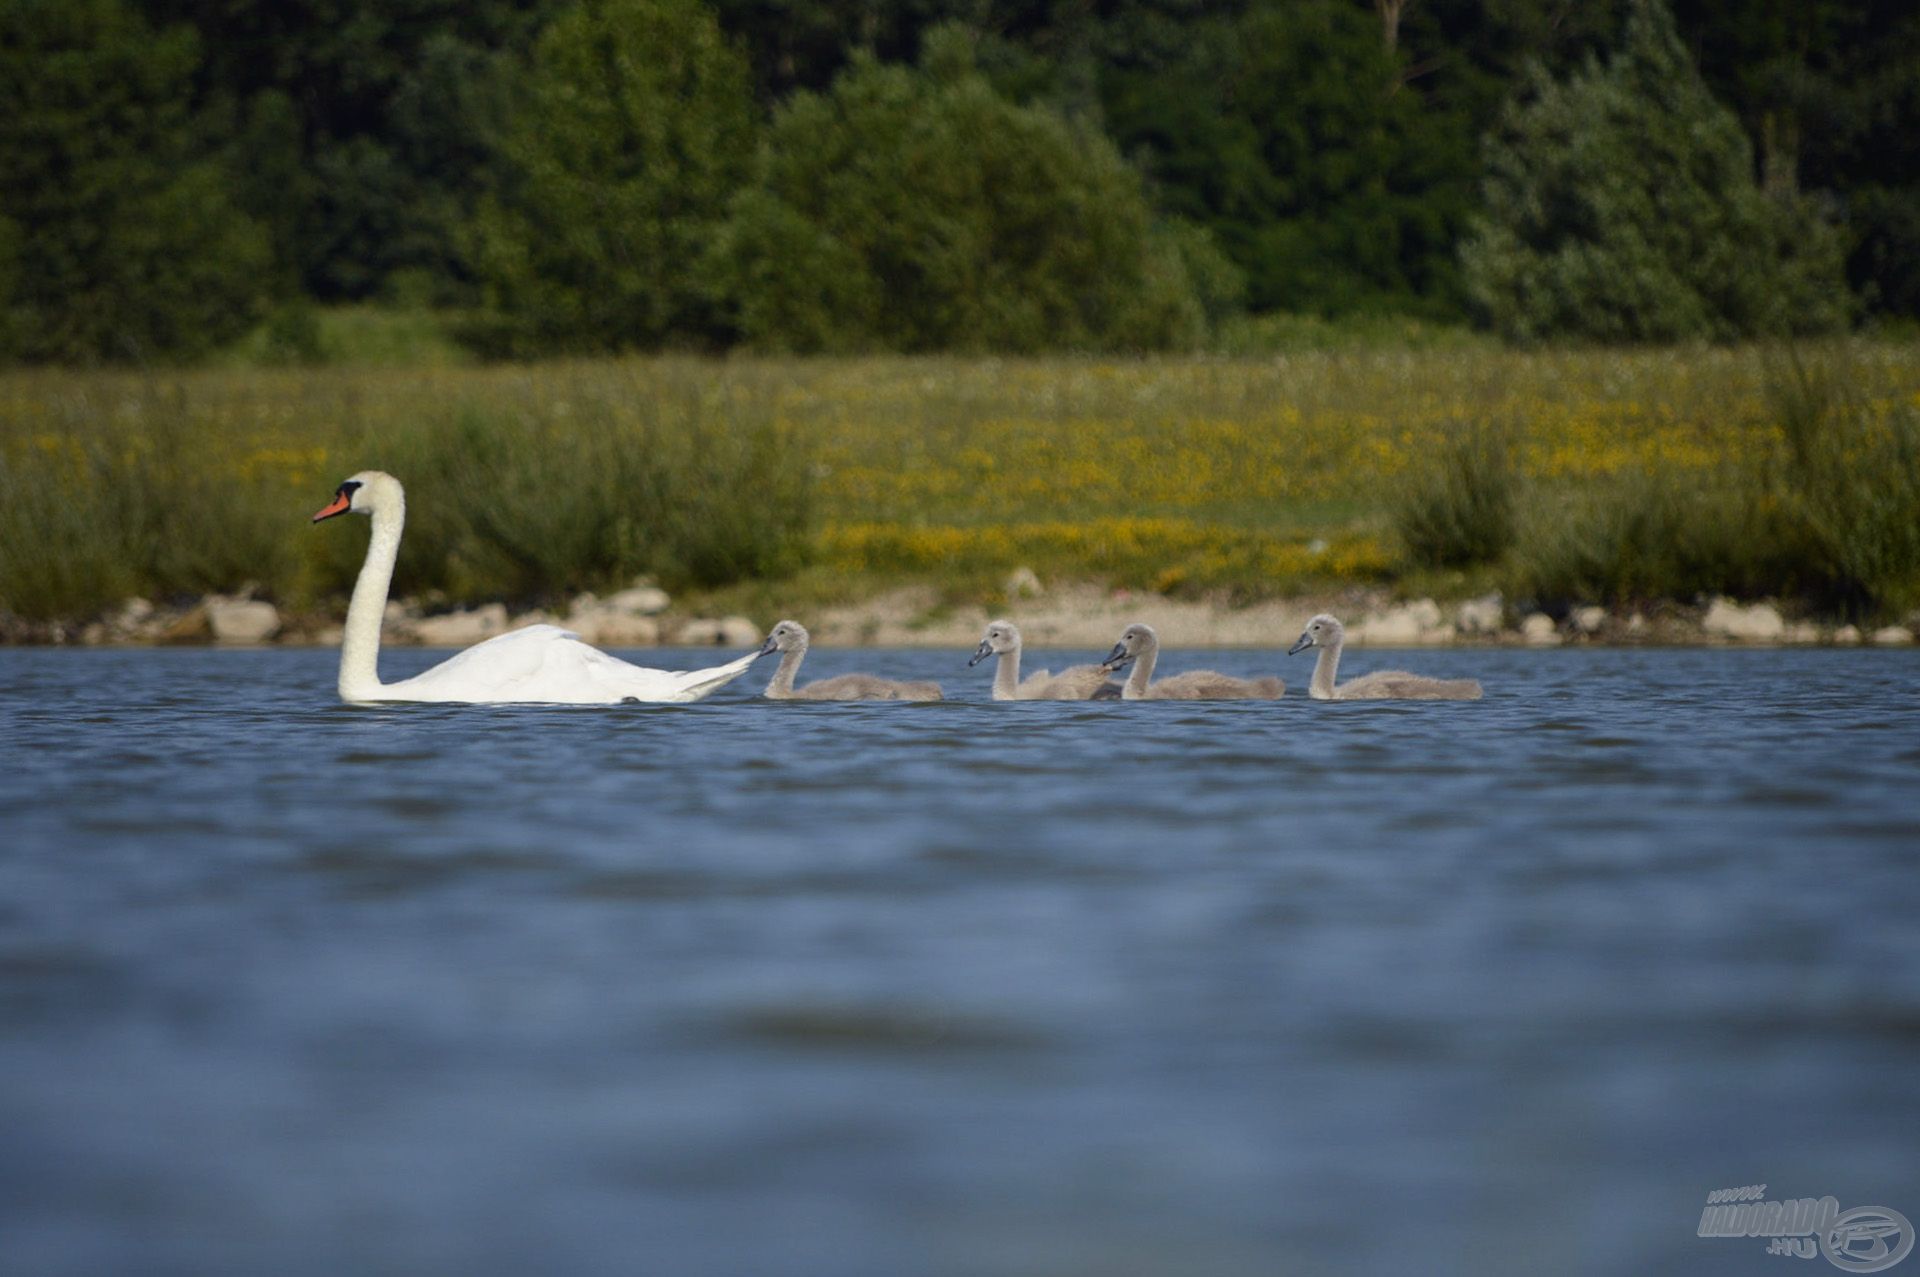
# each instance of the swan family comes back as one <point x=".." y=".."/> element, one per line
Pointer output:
<point x="548" y="665"/>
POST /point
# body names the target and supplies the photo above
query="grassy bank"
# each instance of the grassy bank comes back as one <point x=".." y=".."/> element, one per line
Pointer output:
<point x="1609" y="476"/>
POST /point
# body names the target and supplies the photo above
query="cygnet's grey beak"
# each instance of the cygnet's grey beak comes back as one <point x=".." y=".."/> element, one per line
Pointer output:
<point x="980" y="654"/>
<point x="768" y="646"/>
<point x="1306" y="641"/>
<point x="1116" y="658"/>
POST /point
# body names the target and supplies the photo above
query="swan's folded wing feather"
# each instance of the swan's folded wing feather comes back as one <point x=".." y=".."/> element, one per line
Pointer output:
<point x="1209" y="685"/>
<point x="486" y="671"/>
<point x="544" y="664"/>
<point x="1402" y="686"/>
<point x="1075" y="683"/>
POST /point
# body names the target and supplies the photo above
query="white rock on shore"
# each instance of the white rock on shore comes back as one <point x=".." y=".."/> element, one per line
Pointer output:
<point x="1893" y="636"/>
<point x="1483" y="615"/>
<point x="729" y="631"/>
<point x="1589" y="620"/>
<point x="615" y="629"/>
<point x="242" y="620"/>
<point x="640" y="600"/>
<point x="1418" y="622"/>
<point x="1023" y="583"/>
<point x="462" y="629"/>
<point x="1539" y="630"/>
<point x="1761" y="623"/>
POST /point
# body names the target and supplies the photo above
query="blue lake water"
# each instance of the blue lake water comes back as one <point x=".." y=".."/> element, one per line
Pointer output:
<point x="1035" y="989"/>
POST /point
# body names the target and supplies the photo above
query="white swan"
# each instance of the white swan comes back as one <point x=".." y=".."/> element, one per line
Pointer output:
<point x="789" y="638"/>
<point x="1328" y="634"/>
<point x="1075" y="683"/>
<point x="1138" y="643"/>
<point x="541" y="664"/>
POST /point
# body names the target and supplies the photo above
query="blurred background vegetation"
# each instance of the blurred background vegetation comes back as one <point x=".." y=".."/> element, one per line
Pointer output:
<point x="186" y="177"/>
<point x="1583" y="300"/>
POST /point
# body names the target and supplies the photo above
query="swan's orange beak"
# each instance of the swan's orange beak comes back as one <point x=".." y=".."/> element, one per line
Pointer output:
<point x="340" y="504"/>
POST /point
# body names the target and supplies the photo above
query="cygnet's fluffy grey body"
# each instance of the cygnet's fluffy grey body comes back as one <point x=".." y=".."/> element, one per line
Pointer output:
<point x="789" y="638"/>
<point x="1140" y="645"/>
<point x="1328" y="635"/>
<point x="1075" y="683"/>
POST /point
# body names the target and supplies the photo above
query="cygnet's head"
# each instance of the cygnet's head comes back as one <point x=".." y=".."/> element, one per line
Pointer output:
<point x="1134" y="640"/>
<point x="1321" y="631"/>
<point x="784" y="637"/>
<point x="1001" y="636"/>
<point x="363" y="494"/>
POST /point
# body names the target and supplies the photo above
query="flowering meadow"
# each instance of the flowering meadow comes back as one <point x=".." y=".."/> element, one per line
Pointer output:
<point x="1250" y="477"/>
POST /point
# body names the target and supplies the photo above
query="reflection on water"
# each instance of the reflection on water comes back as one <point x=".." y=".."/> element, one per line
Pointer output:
<point x="961" y="988"/>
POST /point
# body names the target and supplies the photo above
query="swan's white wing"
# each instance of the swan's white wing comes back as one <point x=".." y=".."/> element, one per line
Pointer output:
<point x="544" y="664"/>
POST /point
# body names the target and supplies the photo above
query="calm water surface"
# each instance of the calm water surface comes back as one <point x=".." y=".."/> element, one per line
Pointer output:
<point x="745" y="988"/>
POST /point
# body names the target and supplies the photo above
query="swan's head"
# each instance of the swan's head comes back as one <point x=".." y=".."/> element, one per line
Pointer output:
<point x="366" y="492"/>
<point x="1321" y="631"/>
<point x="1134" y="640"/>
<point x="788" y="636"/>
<point x="1001" y="636"/>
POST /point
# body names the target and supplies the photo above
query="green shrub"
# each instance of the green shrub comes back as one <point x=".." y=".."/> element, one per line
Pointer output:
<point x="635" y="131"/>
<point x="1621" y="206"/>
<point x="530" y="492"/>
<point x="1459" y="510"/>
<point x="1849" y="475"/>
<point x="528" y="509"/>
<point x="917" y="210"/>
<point x="1647" y="538"/>
<point x="119" y="236"/>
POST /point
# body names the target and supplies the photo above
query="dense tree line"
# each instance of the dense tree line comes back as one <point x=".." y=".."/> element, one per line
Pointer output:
<point x="580" y="175"/>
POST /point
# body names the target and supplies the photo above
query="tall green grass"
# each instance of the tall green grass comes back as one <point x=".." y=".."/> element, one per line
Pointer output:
<point x="1821" y="503"/>
<point x="519" y="489"/>
<point x="1459" y="509"/>
<point x="1611" y="476"/>
<point x="1848" y="481"/>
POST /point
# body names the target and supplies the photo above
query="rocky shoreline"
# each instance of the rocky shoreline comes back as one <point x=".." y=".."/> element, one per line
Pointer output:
<point x="1080" y="616"/>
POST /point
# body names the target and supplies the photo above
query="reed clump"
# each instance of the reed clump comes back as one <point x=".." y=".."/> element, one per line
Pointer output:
<point x="1459" y="509"/>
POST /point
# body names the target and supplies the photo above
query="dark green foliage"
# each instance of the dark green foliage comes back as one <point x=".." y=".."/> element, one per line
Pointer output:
<point x="393" y="151"/>
<point x="1829" y="91"/>
<point x="1884" y="265"/>
<point x="1287" y="130"/>
<point x="118" y="237"/>
<point x="365" y="129"/>
<point x="1621" y="206"/>
<point x="633" y="132"/>
<point x="918" y="210"/>
<point x="1458" y="509"/>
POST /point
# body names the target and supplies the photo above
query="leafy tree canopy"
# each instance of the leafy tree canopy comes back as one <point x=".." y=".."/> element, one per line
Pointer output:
<point x="917" y="209"/>
<point x="118" y="238"/>
<point x="1621" y="205"/>
<point x="633" y="132"/>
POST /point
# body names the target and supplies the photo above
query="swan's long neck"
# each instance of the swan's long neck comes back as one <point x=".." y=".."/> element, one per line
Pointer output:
<point x="1325" y="667"/>
<point x="1006" y="676"/>
<point x="781" y="684"/>
<point x="1142" y="673"/>
<point x="360" y="646"/>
